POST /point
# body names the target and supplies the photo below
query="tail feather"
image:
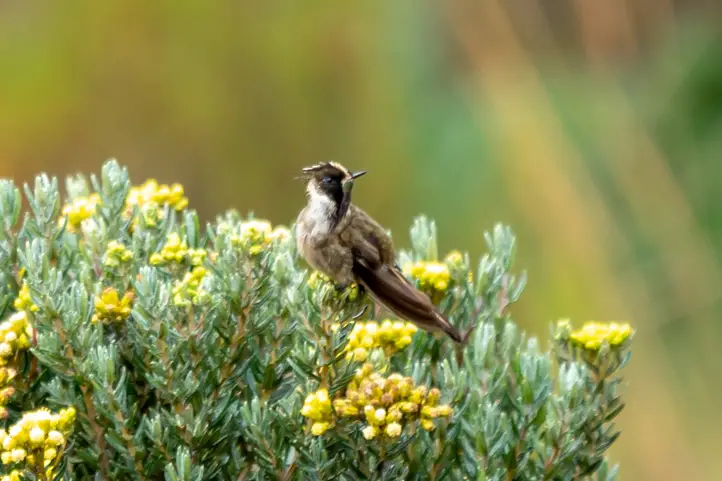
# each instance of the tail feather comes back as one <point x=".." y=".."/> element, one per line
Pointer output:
<point x="393" y="291"/>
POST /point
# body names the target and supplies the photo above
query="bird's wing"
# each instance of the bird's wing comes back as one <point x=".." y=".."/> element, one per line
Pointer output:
<point x="392" y="290"/>
<point x="373" y="267"/>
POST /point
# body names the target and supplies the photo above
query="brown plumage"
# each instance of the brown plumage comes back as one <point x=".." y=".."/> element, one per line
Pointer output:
<point x="342" y="241"/>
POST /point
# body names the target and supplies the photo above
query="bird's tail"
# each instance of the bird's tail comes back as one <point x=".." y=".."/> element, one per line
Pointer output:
<point x="393" y="291"/>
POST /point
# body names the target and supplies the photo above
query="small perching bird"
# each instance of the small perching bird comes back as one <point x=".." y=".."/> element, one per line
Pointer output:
<point x="343" y="242"/>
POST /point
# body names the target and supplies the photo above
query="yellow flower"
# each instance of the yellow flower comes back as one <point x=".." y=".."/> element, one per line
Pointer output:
<point x="593" y="334"/>
<point x="444" y="410"/>
<point x="142" y="194"/>
<point x="18" y="455"/>
<point x="66" y="418"/>
<point x="116" y="254"/>
<point x="454" y="258"/>
<point x="317" y="406"/>
<point x="109" y="307"/>
<point x="320" y="282"/>
<point x="151" y="199"/>
<point x="390" y="336"/>
<point x="14" y="475"/>
<point x="188" y="291"/>
<point x="175" y="250"/>
<point x="255" y="234"/>
<point x="197" y="256"/>
<point x="433" y="277"/>
<point x="37" y="436"/>
<point x="393" y="430"/>
<point x="280" y="234"/>
<point x="23" y="302"/>
<point x="378" y="416"/>
<point x="78" y="210"/>
<point x="151" y="192"/>
<point x="385" y="404"/>
<point x="360" y="354"/>
<point x="369" y="432"/>
<point x="55" y="438"/>
<point x="317" y="429"/>
<point x="50" y="454"/>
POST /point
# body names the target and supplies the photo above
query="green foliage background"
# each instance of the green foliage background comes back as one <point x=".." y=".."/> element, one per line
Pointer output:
<point x="594" y="130"/>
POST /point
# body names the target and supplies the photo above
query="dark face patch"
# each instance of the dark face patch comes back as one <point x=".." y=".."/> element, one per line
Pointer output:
<point x="330" y="177"/>
<point x="329" y="180"/>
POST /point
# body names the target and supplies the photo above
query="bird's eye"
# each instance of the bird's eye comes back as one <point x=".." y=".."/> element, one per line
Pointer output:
<point x="326" y="180"/>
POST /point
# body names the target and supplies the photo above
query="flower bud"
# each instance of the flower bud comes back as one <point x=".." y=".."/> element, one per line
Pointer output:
<point x="394" y="415"/>
<point x="360" y="354"/>
<point x="444" y="410"/>
<point x="428" y="412"/>
<point x="37" y="436"/>
<point x="317" y="429"/>
<point x="433" y="397"/>
<point x="55" y="438"/>
<point x="393" y="430"/>
<point x="18" y="455"/>
<point x="409" y="407"/>
<point x="50" y="454"/>
<point x="369" y="432"/>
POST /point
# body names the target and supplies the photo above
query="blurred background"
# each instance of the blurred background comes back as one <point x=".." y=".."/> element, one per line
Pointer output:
<point x="593" y="128"/>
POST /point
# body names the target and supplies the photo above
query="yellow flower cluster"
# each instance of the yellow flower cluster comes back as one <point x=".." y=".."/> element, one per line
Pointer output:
<point x="110" y="307"/>
<point x="151" y="198"/>
<point x="23" y="302"/>
<point x="317" y="408"/>
<point x="116" y="254"/>
<point x="389" y="336"/>
<point x="15" y="335"/>
<point x="188" y="291"/>
<point x="39" y="435"/>
<point x="387" y="403"/>
<point x="433" y="277"/>
<point x="150" y="192"/>
<point x="454" y="258"/>
<point x="458" y="268"/>
<point x="176" y="250"/>
<point x="78" y="210"/>
<point x="318" y="281"/>
<point x="14" y="475"/>
<point x="254" y="236"/>
<point x="593" y="334"/>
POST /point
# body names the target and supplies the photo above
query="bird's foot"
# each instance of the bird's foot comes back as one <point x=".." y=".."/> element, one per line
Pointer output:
<point x="341" y="287"/>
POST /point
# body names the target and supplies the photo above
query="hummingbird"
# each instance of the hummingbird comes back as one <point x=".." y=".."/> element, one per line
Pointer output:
<point x="343" y="242"/>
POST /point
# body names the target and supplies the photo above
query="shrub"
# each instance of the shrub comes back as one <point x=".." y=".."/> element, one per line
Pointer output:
<point x="137" y="346"/>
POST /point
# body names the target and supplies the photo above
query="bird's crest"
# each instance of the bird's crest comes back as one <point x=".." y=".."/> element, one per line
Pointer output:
<point x="327" y="169"/>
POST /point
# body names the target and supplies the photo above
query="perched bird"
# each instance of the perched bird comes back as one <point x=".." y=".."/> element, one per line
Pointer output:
<point x="342" y="241"/>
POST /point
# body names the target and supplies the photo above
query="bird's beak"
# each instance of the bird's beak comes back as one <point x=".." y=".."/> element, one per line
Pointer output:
<point x="348" y="184"/>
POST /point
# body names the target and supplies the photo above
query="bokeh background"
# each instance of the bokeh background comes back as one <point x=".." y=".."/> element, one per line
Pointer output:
<point x="593" y="128"/>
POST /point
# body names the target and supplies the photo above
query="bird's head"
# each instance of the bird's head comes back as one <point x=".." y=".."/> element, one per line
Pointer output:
<point x="332" y="181"/>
